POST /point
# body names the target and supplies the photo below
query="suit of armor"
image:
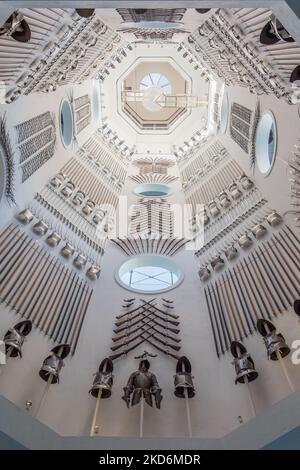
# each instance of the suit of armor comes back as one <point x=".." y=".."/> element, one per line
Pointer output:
<point x="142" y="384"/>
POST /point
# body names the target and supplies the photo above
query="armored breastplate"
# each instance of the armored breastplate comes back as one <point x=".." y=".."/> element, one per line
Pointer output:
<point x="143" y="380"/>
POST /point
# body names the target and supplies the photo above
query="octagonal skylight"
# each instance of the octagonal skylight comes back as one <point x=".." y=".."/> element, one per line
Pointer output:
<point x="156" y="80"/>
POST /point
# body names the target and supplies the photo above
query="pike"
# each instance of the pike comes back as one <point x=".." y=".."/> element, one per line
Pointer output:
<point x="81" y="317"/>
<point x="216" y="322"/>
<point x="242" y="302"/>
<point x="270" y="278"/>
<point x="65" y="306"/>
<point x="256" y="289"/>
<point x="6" y="232"/>
<point x="295" y="253"/>
<point x="25" y="291"/>
<point x="230" y="315"/>
<point x="263" y="283"/>
<point x="284" y="270"/>
<point x="224" y="326"/>
<point x="288" y="252"/>
<point x="60" y="285"/>
<point x="11" y="296"/>
<point x="240" y="288"/>
<point x="236" y="306"/>
<point x="49" y="294"/>
<point x="70" y="306"/>
<point x="240" y="273"/>
<point x="14" y="258"/>
<point x="56" y="301"/>
<point x="32" y="288"/>
<point x="10" y="237"/>
<point x="71" y="319"/>
<point x="43" y="289"/>
<point x="212" y="325"/>
<point x="11" y="273"/>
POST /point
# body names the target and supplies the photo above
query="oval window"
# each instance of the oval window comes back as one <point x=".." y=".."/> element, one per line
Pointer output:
<point x="66" y="122"/>
<point x="265" y="143"/>
<point x="149" y="274"/>
<point x="224" y="113"/>
<point x="152" y="190"/>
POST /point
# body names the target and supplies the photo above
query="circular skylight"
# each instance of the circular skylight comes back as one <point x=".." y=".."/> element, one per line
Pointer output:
<point x="224" y="113"/>
<point x="152" y="190"/>
<point x="66" y="122"/>
<point x="156" y="80"/>
<point x="149" y="274"/>
<point x="265" y="143"/>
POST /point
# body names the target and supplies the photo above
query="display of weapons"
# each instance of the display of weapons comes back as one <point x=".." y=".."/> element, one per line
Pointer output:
<point x="42" y="289"/>
<point x="136" y="328"/>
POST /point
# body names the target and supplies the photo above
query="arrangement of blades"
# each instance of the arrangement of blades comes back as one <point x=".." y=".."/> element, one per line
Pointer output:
<point x="261" y="286"/>
<point x="146" y="321"/>
<point x="42" y="289"/>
